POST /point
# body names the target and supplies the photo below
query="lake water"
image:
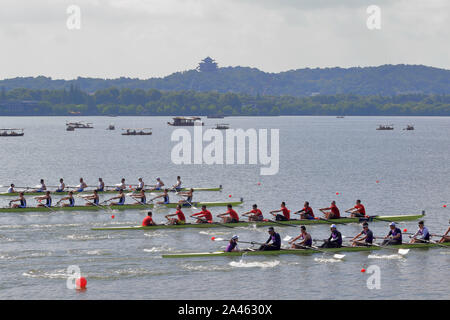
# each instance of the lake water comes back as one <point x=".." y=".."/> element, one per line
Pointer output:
<point x="392" y="172"/>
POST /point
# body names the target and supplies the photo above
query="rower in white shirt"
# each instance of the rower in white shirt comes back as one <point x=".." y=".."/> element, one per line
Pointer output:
<point x="41" y="187"/>
<point x="101" y="185"/>
<point x="62" y="186"/>
<point x="121" y="185"/>
<point x="11" y="188"/>
<point x="177" y="186"/>
<point x="159" y="184"/>
<point x="141" y="185"/>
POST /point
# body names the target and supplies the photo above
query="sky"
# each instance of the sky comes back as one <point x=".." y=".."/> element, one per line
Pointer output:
<point x="154" y="38"/>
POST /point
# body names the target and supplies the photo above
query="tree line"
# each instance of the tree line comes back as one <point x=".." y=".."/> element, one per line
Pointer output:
<point x="153" y="102"/>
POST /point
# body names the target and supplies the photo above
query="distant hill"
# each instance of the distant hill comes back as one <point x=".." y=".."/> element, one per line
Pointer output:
<point x="384" y="80"/>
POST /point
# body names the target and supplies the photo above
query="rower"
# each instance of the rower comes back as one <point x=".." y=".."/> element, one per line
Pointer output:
<point x="394" y="236"/>
<point x="286" y="213"/>
<point x="181" y="219"/>
<point x="305" y="237"/>
<point x="230" y="216"/>
<point x="203" y="216"/>
<point x="21" y="199"/>
<point x="47" y="198"/>
<point x="148" y="220"/>
<point x="101" y="185"/>
<point x="141" y="185"/>
<point x="306" y="212"/>
<point x="82" y="185"/>
<point x="121" y="198"/>
<point x="70" y="198"/>
<point x="11" y="189"/>
<point x="62" y="186"/>
<point x="446" y="236"/>
<point x="159" y="184"/>
<point x="42" y="187"/>
<point x="358" y="211"/>
<point x="189" y="194"/>
<point x="140" y="198"/>
<point x="121" y="185"/>
<point x="332" y="212"/>
<point x="94" y="197"/>
<point x="233" y="245"/>
<point x="165" y="197"/>
<point x="274" y="238"/>
<point x="422" y="235"/>
<point x="255" y="214"/>
<point x="364" y="238"/>
<point x="335" y="239"/>
<point x="177" y="186"/>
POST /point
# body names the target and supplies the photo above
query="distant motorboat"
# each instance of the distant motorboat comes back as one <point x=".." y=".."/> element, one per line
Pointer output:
<point x="11" y="132"/>
<point x="111" y="127"/>
<point x="137" y="132"/>
<point x="409" y="127"/>
<point x="185" y="121"/>
<point x="386" y="127"/>
<point x="222" y="126"/>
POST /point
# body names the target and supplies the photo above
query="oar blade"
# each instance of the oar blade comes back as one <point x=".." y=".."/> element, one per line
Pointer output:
<point x="403" y="252"/>
<point x="287" y="238"/>
<point x="339" y="256"/>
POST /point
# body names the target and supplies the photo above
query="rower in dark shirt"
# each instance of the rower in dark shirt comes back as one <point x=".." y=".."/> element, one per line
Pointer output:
<point x="394" y="236"/>
<point x="364" y="238"/>
<point x="335" y="239"/>
<point x="274" y="238"/>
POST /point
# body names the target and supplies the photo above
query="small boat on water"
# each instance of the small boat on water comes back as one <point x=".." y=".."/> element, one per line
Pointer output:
<point x="386" y="127"/>
<point x="185" y="121"/>
<point x="11" y="132"/>
<point x="137" y="132"/>
<point x="340" y="117"/>
<point x="409" y="127"/>
<point x="111" y="127"/>
<point x="80" y="125"/>
<point x="70" y="128"/>
<point x="222" y="126"/>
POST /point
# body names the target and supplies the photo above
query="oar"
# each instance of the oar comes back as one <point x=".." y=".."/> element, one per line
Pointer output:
<point x="435" y="243"/>
<point x="46" y="206"/>
<point x="92" y="202"/>
<point x="220" y="224"/>
<point x="251" y="242"/>
<point x="335" y="255"/>
<point x="330" y="221"/>
<point x="143" y="204"/>
<point x="192" y="206"/>
<point x="282" y="224"/>
<point x="402" y="252"/>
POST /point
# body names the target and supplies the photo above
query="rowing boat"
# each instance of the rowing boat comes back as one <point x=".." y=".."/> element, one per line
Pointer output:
<point x="105" y="192"/>
<point x="120" y="207"/>
<point x="269" y="223"/>
<point x="299" y="251"/>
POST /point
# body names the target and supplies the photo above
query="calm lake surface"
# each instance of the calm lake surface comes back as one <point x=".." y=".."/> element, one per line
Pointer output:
<point x="392" y="172"/>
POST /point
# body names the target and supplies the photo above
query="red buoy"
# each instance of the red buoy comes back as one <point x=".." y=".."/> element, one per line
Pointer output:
<point x="81" y="283"/>
<point x="363" y="270"/>
<point x="113" y="216"/>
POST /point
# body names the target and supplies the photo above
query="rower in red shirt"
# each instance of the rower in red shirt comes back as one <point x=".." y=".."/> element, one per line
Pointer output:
<point x="181" y="219"/>
<point x="358" y="210"/>
<point x="230" y="216"/>
<point x="331" y="212"/>
<point x="286" y="213"/>
<point x="148" y="220"/>
<point x="203" y="216"/>
<point x="306" y="212"/>
<point x="255" y="214"/>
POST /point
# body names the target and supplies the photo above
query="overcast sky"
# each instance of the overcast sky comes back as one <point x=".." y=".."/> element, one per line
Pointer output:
<point x="154" y="38"/>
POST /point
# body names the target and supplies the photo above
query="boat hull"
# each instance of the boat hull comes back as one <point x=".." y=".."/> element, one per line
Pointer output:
<point x="299" y="251"/>
<point x="264" y="223"/>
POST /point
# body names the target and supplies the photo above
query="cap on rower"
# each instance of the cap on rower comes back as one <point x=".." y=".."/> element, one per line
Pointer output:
<point x="392" y="224"/>
<point x="333" y="226"/>
<point x="235" y="237"/>
<point x="271" y="228"/>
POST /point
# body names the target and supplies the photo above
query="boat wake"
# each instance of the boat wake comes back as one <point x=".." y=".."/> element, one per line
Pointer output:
<point x="327" y="260"/>
<point x="204" y="268"/>
<point x="213" y="233"/>
<point x="57" y="274"/>
<point x="386" y="256"/>
<point x="159" y="249"/>
<point x="254" y="264"/>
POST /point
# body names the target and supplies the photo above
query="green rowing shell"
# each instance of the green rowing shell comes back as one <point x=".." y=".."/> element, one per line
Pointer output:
<point x="265" y="223"/>
<point x="298" y="251"/>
